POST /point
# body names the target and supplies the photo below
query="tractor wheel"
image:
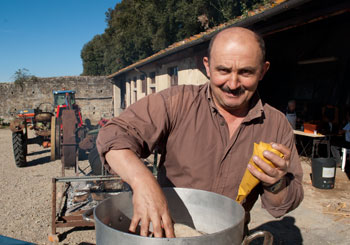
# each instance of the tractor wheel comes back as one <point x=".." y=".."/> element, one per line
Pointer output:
<point x="25" y="146"/>
<point x="53" y="138"/>
<point x="95" y="162"/>
<point x="19" y="149"/>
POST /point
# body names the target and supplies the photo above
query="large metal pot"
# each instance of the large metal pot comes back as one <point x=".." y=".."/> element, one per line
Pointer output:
<point x="218" y="216"/>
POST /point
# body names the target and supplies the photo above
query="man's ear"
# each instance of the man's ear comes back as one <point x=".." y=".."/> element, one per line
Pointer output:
<point x="206" y="65"/>
<point x="265" y="68"/>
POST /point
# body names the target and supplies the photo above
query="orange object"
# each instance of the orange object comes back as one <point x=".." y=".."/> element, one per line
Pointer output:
<point x="46" y="144"/>
<point x="249" y="181"/>
<point x="309" y="128"/>
<point x="53" y="238"/>
<point x="26" y="115"/>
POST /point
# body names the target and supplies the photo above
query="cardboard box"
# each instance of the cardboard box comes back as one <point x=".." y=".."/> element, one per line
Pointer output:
<point x="310" y="128"/>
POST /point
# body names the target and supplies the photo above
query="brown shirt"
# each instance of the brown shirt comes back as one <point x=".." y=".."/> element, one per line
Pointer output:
<point x="193" y="139"/>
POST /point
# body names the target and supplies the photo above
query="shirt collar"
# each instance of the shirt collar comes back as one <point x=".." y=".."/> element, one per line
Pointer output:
<point x="256" y="106"/>
<point x="210" y="99"/>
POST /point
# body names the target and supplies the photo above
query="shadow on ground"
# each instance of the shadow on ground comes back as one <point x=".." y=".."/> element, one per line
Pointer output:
<point x="38" y="152"/>
<point x="283" y="231"/>
<point x="64" y="235"/>
<point x="39" y="161"/>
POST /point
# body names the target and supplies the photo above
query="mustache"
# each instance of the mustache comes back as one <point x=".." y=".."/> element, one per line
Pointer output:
<point x="236" y="92"/>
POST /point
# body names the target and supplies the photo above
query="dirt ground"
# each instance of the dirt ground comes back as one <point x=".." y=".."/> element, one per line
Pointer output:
<point x="322" y="218"/>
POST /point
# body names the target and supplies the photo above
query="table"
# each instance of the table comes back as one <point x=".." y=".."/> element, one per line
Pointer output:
<point x="316" y="139"/>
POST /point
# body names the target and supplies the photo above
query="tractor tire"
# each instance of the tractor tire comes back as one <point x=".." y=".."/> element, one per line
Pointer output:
<point x="19" y="149"/>
<point x="25" y="146"/>
<point x="95" y="162"/>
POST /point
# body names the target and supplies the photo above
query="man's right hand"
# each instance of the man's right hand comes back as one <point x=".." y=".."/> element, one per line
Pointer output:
<point x="149" y="202"/>
<point x="150" y="205"/>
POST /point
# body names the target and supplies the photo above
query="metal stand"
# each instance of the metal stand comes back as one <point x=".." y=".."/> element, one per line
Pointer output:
<point x="58" y="217"/>
<point x="315" y="140"/>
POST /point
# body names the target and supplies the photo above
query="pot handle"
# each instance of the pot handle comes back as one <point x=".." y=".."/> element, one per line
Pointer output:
<point x="268" y="238"/>
<point x="86" y="215"/>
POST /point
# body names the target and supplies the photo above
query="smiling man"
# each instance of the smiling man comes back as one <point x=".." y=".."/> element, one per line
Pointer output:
<point x="205" y="135"/>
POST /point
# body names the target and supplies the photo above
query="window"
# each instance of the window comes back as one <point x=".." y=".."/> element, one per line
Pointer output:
<point x="152" y="76"/>
<point x="153" y="90"/>
<point x="59" y="99"/>
<point x="129" y="92"/>
<point x="122" y="94"/>
<point x="172" y="71"/>
<point x="144" y="84"/>
<point x="135" y="89"/>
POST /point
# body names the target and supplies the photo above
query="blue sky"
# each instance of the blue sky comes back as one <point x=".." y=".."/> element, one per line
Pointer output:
<point x="46" y="36"/>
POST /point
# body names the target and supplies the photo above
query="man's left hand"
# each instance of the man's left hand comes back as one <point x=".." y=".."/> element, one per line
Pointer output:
<point x="271" y="175"/>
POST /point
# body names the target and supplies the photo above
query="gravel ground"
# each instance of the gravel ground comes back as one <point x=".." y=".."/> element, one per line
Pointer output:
<point x="26" y="197"/>
<point x="322" y="218"/>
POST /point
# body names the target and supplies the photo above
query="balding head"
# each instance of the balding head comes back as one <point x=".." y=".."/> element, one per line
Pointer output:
<point x="241" y="34"/>
<point x="235" y="68"/>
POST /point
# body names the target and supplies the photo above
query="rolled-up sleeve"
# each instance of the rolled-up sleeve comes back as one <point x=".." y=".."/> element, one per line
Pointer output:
<point x="138" y="128"/>
<point x="295" y="192"/>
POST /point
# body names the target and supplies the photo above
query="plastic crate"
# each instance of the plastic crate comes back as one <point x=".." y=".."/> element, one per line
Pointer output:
<point x="310" y="128"/>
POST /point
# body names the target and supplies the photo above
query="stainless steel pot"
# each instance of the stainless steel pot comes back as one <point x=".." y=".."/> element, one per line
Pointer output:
<point x="221" y="218"/>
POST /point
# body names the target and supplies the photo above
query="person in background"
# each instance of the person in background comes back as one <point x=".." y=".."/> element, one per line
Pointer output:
<point x="291" y="114"/>
<point x="338" y="143"/>
<point x="330" y="119"/>
<point x="346" y="131"/>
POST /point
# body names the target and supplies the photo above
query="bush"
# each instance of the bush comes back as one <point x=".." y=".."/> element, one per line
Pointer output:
<point x="22" y="75"/>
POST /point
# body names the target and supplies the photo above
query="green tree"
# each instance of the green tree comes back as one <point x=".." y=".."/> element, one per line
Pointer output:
<point x="93" y="54"/>
<point x="137" y="29"/>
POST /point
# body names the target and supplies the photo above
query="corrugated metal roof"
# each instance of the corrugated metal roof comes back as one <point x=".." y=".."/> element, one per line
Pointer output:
<point x="201" y="37"/>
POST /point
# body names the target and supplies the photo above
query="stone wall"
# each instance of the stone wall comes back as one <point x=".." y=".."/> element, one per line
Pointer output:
<point x="94" y="95"/>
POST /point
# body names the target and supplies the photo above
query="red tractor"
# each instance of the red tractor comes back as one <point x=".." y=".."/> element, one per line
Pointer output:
<point x="67" y="128"/>
<point x="60" y="127"/>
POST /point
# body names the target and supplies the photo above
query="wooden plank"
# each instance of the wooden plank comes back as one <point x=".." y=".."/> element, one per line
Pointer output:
<point x="76" y="224"/>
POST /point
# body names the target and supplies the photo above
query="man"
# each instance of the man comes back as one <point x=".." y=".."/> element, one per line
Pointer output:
<point x="205" y="135"/>
<point x="291" y="113"/>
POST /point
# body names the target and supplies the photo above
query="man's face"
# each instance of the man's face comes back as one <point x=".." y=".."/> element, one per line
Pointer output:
<point x="235" y="69"/>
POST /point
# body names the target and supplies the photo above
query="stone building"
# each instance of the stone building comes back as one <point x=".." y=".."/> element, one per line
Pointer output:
<point x="304" y="39"/>
<point x="182" y="66"/>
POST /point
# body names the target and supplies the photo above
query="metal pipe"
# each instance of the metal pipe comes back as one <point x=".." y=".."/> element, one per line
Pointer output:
<point x="94" y="98"/>
<point x="86" y="178"/>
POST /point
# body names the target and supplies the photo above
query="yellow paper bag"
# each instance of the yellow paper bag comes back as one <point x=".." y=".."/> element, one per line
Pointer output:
<point x="249" y="181"/>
